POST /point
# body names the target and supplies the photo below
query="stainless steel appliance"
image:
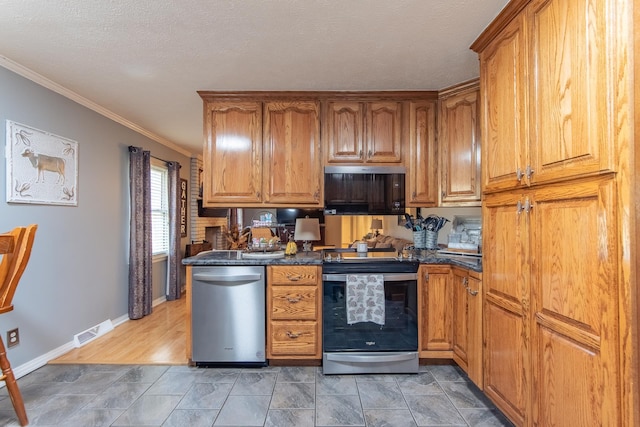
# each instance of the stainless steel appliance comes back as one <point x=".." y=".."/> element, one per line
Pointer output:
<point x="364" y="190"/>
<point x="228" y="315"/>
<point x="384" y="345"/>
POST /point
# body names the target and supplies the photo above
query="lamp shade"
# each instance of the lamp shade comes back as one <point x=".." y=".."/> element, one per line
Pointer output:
<point x="376" y="224"/>
<point x="307" y="229"/>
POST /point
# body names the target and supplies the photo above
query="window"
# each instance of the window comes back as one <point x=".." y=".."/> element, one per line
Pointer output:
<point x="159" y="209"/>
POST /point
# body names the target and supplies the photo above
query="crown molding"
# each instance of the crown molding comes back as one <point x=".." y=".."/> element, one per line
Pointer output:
<point x="67" y="93"/>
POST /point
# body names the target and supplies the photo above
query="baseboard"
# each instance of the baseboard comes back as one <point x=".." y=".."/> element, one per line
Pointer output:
<point x="38" y="362"/>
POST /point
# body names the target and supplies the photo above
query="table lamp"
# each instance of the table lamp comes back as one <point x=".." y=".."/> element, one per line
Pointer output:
<point x="376" y="224"/>
<point x="307" y="229"/>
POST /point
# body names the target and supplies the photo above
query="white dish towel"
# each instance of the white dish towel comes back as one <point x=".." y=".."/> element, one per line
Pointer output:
<point x="365" y="298"/>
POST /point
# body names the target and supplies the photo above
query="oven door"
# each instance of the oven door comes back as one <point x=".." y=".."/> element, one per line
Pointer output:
<point x="365" y="346"/>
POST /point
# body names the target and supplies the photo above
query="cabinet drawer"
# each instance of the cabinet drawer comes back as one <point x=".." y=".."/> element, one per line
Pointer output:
<point x="294" y="339"/>
<point x="294" y="303"/>
<point x="293" y="275"/>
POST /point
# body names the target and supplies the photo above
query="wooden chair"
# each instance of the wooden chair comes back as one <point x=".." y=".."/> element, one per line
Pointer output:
<point x="11" y="268"/>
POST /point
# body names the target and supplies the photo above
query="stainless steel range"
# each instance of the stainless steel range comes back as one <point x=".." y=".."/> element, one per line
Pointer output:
<point x="370" y="311"/>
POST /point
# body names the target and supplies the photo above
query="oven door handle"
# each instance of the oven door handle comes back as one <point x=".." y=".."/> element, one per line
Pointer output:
<point x="370" y="358"/>
<point x="391" y="277"/>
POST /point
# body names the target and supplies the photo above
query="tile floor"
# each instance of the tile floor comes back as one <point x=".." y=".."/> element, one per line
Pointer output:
<point x="145" y="395"/>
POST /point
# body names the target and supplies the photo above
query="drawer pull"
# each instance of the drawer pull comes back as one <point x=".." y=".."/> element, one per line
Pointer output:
<point x="292" y="335"/>
<point x="293" y="300"/>
<point x="294" y="278"/>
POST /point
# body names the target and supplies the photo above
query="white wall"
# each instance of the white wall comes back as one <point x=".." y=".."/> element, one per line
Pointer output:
<point x="77" y="275"/>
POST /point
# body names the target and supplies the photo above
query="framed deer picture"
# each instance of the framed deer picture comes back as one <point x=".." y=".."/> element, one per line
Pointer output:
<point x="42" y="168"/>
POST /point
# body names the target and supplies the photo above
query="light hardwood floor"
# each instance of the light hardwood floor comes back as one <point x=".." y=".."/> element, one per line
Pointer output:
<point x="159" y="338"/>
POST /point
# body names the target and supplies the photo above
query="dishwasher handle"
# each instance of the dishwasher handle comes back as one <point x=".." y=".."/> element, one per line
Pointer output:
<point x="226" y="278"/>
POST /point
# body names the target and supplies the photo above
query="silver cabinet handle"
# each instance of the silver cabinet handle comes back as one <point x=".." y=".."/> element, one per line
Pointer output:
<point x="529" y="172"/>
<point x="519" y="174"/>
<point x="292" y="335"/>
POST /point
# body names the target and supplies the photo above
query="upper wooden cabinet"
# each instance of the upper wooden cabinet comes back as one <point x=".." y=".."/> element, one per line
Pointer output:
<point x="459" y="144"/>
<point x="546" y="87"/>
<point x="232" y="153"/>
<point x="292" y="157"/>
<point x="422" y="178"/>
<point x="259" y="153"/>
<point x="364" y="132"/>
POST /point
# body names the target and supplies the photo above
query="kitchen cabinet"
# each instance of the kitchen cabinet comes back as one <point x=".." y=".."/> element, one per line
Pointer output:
<point x="364" y="131"/>
<point x="435" y="301"/>
<point x="292" y="156"/>
<point x="545" y="323"/>
<point x="422" y="186"/>
<point x="523" y="143"/>
<point x="557" y="310"/>
<point x="459" y="143"/>
<point x="261" y="154"/>
<point x="232" y="157"/>
<point x="507" y="374"/>
<point x="294" y="312"/>
<point x="467" y="322"/>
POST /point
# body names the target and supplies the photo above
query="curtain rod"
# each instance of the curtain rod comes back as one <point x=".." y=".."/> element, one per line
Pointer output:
<point x="131" y="147"/>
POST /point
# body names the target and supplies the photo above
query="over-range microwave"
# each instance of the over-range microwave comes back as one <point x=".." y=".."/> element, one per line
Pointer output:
<point x="362" y="190"/>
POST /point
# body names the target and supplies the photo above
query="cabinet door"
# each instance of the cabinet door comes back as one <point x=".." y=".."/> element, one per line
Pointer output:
<point x="460" y="282"/>
<point x="575" y="333"/>
<point x="459" y="139"/>
<point x="292" y="159"/>
<point x="475" y="349"/>
<point x="232" y="153"/>
<point x="436" y="307"/>
<point x="383" y="132"/>
<point x="505" y="274"/>
<point x="503" y="109"/>
<point x="422" y="188"/>
<point x="344" y="131"/>
<point x="570" y="88"/>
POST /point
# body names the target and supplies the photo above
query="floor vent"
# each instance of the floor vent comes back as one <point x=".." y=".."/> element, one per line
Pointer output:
<point x="92" y="333"/>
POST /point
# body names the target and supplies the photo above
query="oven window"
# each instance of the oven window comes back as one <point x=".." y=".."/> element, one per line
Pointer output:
<point x="400" y="329"/>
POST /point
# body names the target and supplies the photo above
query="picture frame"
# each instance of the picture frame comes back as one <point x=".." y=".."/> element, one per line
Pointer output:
<point x="183" y="207"/>
<point x="42" y="168"/>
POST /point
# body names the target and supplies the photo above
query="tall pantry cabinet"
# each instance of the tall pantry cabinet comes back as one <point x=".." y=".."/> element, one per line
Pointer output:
<point x="560" y="310"/>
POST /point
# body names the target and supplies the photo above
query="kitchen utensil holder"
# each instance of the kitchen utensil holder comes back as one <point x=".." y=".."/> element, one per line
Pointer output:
<point x="431" y="239"/>
<point x="419" y="239"/>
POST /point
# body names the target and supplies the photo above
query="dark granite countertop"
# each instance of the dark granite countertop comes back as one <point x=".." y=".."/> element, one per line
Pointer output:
<point x="315" y="258"/>
<point x="235" y="258"/>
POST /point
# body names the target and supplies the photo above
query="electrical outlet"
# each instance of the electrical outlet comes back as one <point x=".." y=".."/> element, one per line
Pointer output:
<point x="13" y="337"/>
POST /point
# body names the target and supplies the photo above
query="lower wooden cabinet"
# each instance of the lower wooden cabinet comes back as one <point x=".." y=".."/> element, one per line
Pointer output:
<point x="450" y="304"/>
<point x="294" y="319"/>
<point x="436" y="305"/>
<point x="467" y="322"/>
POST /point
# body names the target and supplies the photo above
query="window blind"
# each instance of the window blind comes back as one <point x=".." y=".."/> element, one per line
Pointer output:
<point x="159" y="210"/>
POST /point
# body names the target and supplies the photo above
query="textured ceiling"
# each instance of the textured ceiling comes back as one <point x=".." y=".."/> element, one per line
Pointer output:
<point x="144" y="60"/>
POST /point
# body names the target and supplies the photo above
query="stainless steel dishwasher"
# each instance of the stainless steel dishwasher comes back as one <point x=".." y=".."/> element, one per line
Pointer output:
<point x="228" y="315"/>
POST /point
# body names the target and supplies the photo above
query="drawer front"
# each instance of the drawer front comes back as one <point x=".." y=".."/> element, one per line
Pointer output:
<point x="294" y="339"/>
<point x="293" y="275"/>
<point x="294" y="303"/>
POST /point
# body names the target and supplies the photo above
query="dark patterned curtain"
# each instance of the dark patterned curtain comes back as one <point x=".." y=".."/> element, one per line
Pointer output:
<point x="174" y="290"/>
<point x="140" y="251"/>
